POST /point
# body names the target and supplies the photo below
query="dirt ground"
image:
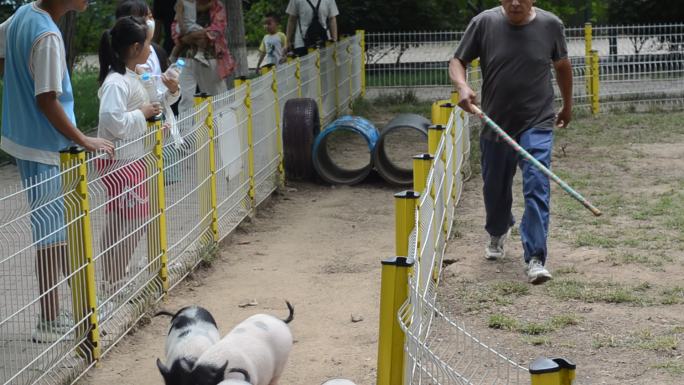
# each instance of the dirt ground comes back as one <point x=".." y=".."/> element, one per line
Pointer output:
<point x="615" y="306"/>
<point x="318" y="247"/>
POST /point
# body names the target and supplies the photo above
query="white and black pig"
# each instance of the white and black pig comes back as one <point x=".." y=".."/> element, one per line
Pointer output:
<point x="258" y="346"/>
<point x="193" y="331"/>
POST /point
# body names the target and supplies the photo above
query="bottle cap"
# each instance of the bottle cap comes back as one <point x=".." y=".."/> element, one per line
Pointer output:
<point x="146" y="76"/>
<point x="180" y="63"/>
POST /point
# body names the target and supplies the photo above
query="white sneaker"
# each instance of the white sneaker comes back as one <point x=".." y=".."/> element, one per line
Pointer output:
<point x="536" y="272"/>
<point x="51" y="331"/>
<point x="495" y="249"/>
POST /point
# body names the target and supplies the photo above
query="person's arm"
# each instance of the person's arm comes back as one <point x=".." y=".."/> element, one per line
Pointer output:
<point x="172" y="93"/>
<point x="563" y="69"/>
<point x="332" y="24"/>
<point x="49" y="105"/>
<point x="48" y="67"/>
<point x="468" y="50"/>
<point x="457" y="74"/>
<point x="262" y="55"/>
<point x="291" y="25"/>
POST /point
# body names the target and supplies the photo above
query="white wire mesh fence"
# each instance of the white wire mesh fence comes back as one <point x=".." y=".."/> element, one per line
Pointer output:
<point x="87" y="249"/>
<point x="638" y="65"/>
<point x="439" y="349"/>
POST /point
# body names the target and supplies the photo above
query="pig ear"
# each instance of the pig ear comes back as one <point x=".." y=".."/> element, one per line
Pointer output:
<point x="223" y="368"/>
<point x="221" y="374"/>
<point x="162" y="368"/>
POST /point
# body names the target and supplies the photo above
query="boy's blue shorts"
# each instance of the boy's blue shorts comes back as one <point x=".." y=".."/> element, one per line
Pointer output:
<point x="43" y="183"/>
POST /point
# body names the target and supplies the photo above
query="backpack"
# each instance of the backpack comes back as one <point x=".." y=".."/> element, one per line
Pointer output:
<point x="315" y="33"/>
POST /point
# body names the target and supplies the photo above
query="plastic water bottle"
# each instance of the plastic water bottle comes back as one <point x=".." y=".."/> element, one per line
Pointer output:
<point x="150" y="86"/>
<point x="175" y="69"/>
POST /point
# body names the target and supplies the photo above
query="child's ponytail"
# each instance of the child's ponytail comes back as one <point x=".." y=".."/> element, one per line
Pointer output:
<point x="105" y="54"/>
<point x="115" y="44"/>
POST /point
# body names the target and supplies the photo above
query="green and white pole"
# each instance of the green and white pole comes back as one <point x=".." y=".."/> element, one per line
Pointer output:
<point x="489" y="122"/>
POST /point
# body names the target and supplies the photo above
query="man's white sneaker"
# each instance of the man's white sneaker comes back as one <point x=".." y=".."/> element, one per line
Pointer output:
<point x="495" y="249"/>
<point x="536" y="272"/>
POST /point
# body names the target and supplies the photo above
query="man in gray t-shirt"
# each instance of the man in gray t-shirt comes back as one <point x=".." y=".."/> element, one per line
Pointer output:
<point x="517" y="45"/>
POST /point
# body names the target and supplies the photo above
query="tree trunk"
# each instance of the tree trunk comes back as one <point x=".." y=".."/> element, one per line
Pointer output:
<point x="68" y="27"/>
<point x="236" y="36"/>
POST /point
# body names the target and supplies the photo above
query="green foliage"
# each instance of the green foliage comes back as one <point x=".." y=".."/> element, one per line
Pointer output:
<point x="86" y="103"/>
<point x="644" y="11"/>
<point x="90" y="24"/>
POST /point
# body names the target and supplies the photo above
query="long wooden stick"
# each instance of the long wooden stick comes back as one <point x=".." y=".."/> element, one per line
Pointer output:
<point x="489" y="122"/>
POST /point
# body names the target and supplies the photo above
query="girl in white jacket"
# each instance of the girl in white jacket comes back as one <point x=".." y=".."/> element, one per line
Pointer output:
<point x="124" y="109"/>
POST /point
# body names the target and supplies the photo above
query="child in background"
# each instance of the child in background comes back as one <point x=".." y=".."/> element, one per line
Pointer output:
<point x="186" y="22"/>
<point x="124" y="109"/>
<point x="273" y="43"/>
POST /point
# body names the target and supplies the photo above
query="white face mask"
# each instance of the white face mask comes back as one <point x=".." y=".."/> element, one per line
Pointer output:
<point x="150" y="25"/>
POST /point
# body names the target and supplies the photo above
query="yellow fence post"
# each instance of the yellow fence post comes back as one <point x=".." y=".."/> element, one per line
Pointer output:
<point x="475" y="70"/>
<point x="421" y="169"/>
<point x="588" y="41"/>
<point x="158" y="190"/>
<point x="440" y="111"/>
<point x="394" y="292"/>
<point x="350" y="56"/>
<point x="362" y="42"/>
<point x="279" y="131"/>
<point x="298" y="76"/>
<point x="557" y="371"/>
<point x="319" y="81"/>
<point x="455" y="98"/>
<point x="595" y="95"/>
<point x="250" y="140"/>
<point x="210" y="207"/>
<point x="435" y="132"/>
<point x="80" y="249"/>
<point x="454" y="141"/>
<point x="334" y="47"/>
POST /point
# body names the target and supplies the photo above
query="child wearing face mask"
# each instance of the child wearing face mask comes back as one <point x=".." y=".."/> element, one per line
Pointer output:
<point x="157" y="63"/>
<point x="124" y="109"/>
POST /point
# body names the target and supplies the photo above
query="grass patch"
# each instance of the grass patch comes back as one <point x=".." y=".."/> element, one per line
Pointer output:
<point x="565" y="320"/>
<point x="608" y="292"/>
<point x="479" y="297"/>
<point x="672" y="296"/>
<point x="208" y="254"/>
<point x="675" y="367"/>
<point x="511" y="288"/>
<point x="605" y="341"/>
<point x="537" y="340"/>
<point x="634" y="128"/>
<point x="593" y="239"/>
<point x="503" y="322"/>
<point x="535" y="328"/>
<point x="641" y="340"/>
<point x="566" y="270"/>
<point x="391" y="103"/>
<point x="629" y="258"/>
